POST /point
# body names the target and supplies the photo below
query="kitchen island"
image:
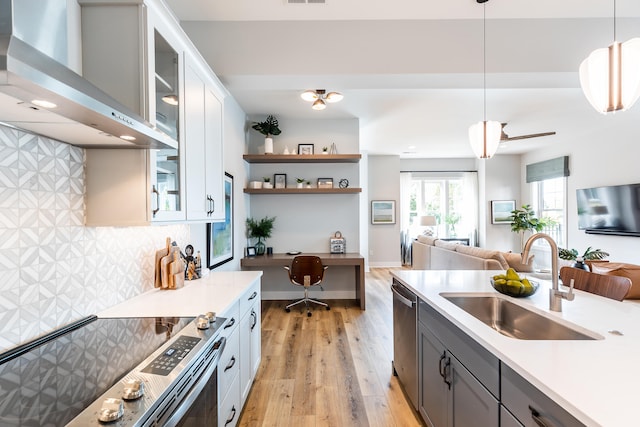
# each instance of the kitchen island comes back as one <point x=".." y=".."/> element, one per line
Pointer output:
<point x="595" y="381"/>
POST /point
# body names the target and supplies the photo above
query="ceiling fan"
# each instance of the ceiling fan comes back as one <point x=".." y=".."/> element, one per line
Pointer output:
<point x="506" y="138"/>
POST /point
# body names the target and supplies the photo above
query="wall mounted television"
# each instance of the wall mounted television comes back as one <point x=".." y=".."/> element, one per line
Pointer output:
<point x="611" y="210"/>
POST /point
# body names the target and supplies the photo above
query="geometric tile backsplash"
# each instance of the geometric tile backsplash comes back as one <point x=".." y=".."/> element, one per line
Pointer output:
<point x="53" y="269"/>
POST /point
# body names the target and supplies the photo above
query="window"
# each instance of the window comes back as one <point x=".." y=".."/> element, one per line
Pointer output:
<point x="549" y="198"/>
<point x="450" y="197"/>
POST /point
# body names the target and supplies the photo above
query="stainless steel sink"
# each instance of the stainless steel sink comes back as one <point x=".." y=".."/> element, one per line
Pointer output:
<point x="516" y="321"/>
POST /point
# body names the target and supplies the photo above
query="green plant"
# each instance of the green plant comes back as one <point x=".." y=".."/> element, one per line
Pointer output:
<point x="268" y="127"/>
<point x="588" y="255"/>
<point x="266" y="179"/>
<point x="260" y="229"/>
<point x="453" y="219"/>
<point x="524" y="219"/>
<point x="300" y="180"/>
<point x="325" y="149"/>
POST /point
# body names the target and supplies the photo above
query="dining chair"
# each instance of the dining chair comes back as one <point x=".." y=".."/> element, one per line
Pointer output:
<point x="614" y="287"/>
<point x="306" y="271"/>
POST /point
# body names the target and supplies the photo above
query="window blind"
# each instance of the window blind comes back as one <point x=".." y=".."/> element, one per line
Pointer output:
<point x="548" y="169"/>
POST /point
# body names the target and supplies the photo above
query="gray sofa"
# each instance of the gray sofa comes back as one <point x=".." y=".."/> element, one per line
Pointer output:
<point x="430" y="253"/>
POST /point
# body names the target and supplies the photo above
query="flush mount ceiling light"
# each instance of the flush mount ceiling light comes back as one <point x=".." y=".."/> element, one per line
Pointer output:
<point x="610" y="77"/>
<point x="484" y="136"/>
<point x="320" y="97"/>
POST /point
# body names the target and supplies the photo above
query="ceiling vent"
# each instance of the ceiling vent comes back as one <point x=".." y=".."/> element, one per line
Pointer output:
<point x="306" y="1"/>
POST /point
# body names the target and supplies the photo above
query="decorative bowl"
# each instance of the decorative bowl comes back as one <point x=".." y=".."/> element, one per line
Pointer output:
<point x="514" y="290"/>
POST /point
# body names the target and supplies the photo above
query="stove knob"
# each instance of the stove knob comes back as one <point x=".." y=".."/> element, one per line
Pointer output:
<point x="202" y="322"/>
<point x="112" y="410"/>
<point x="133" y="389"/>
<point x="211" y="315"/>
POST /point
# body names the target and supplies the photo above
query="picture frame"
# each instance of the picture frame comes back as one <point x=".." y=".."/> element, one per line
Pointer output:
<point x="501" y="211"/>
<point x="220" y="234"/>
<point x="383" y="212"/>
<point x="251" y="251"/>
<point x="305" y="149"/>
<point x="279" y="180"/>
<point x="325" y="182"/>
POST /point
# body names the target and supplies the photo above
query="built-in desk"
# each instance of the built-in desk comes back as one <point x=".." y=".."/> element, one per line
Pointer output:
<point x="349" y="259"/>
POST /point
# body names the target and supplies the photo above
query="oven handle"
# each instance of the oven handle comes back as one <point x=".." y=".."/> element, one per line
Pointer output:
<point x="197" y="388"/>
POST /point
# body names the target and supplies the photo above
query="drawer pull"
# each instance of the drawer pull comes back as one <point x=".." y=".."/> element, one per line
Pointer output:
<point x="253" y="295"/>
<point x="233" y="415"/>
<point x="231" y="363"/>
<point x="440" y="368"/>
<point x="231" y="323"/>
<point x="255" y="319"/>
<point x="535" y="416"/>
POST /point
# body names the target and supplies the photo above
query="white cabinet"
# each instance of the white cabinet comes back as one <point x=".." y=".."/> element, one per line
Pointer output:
<point x="203" y="142"/>
<point x="241" y="357"/>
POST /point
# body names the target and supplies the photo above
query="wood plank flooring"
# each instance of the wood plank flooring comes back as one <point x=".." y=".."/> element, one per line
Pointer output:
<point x="331" y="369"/>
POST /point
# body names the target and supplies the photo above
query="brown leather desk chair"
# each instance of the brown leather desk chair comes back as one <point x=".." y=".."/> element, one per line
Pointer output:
<point x="614" y="287"/>
<point x="306" y="271"/>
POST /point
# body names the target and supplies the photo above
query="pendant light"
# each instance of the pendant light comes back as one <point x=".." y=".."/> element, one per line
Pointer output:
<point x="484" y="136"/>
<point x="610" y="77"/>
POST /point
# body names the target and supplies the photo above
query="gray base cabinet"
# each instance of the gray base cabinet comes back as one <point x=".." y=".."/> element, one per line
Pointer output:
<point x="449" y="394"/>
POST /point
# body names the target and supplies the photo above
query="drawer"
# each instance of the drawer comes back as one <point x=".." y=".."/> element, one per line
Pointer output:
<point x="507" y="419"/>
<point x="229" y="364"/>
<point x="233" y="316"/>
<point x="250" y="296"/>
<point x="229" y="409"/>
<point x="477" y="359"/>
<point x="521" y="398"/>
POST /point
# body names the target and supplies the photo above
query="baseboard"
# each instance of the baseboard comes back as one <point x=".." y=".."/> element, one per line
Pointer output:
<point x="292" y="295"/>
<point x="387" y="264"/>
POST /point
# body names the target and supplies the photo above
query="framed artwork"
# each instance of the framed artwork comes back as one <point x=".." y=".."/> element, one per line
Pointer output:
<point x="305" y="148"/>
<point x="325" y="182"/>
<point x="251" y="251"/>
<point x="383" y="212"/>
<point x="220" y="234"/>
<point x="501" y="211"/>
<point x="279" y="180"/>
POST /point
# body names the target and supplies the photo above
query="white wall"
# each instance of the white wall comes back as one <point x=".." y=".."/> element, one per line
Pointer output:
<point x="501" y="178"/>
<point x="384" y="184"/>
<point x="606" y="154"/>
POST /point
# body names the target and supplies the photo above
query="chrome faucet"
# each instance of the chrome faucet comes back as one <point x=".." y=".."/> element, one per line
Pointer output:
<point x="555" y="294"/>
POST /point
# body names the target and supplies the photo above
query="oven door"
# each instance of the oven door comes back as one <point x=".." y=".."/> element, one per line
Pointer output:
<point x="199" y="408"/>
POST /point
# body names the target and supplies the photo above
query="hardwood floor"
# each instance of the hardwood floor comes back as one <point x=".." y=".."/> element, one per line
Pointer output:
<point x="331" y="369"/>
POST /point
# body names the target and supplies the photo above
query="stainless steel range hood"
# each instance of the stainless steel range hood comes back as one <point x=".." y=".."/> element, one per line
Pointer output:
<point x="84" y="115"/>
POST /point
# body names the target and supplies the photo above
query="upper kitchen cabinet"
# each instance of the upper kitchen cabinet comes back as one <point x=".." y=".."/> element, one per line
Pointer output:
<point x="203" y="142"/>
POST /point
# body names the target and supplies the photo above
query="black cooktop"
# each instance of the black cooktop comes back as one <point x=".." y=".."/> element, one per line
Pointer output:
<point x="50" y="381"/>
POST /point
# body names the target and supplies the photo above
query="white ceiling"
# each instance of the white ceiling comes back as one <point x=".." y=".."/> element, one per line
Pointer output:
<point x="412" y="70"/>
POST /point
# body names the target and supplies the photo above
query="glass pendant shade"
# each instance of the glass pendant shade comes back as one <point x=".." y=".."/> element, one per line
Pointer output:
<point x="484" y="138"/>
<point x="334" y="97"/>
<point x="319" y="105"/>
<point x="610" y="77"/>
<point x="309" y="95"/>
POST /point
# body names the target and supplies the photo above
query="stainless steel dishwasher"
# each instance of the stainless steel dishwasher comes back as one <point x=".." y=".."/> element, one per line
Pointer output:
<point x="405" y="339"/>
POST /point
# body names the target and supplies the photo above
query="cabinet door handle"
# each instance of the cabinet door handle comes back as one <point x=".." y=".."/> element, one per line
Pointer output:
<point x="232" y="362"/>
<point x="210" y="203"/>
<point x="231" y="323"/>
<point x="447" y="373"/>
<point x="233" y="415"/>
<point x="157" y="209"/>
<point x="254" y="316"/>
<point x="535" y="416"/>
<point x="440" y="367"/>
<point x="253" y="295"/>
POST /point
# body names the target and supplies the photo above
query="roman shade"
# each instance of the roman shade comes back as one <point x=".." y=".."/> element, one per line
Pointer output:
<point x="548" y="169"/>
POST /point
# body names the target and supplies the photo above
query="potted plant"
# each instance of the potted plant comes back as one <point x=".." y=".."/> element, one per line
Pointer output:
<point x="300" y="182"/>
<point x="260" y="230"/>
<point x="325" y="150"/>
<point x="524" y="219"/>
<point x="588" y="255"/>
<point x="268" y="128"/>
<point x="308" y="184"/>
<point x="267" y="182"/>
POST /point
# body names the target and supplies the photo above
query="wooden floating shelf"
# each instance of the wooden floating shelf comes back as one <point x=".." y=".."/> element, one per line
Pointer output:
<point x="302" y="158"/>
<point x="302" y="190"/>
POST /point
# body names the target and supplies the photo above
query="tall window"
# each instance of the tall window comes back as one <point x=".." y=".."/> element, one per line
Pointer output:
<point x="450" y="197"/>
<point x="550" y="196"/>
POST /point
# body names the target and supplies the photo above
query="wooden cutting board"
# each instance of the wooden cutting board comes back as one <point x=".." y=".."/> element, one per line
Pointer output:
<point x="165" y="262"/>
<point x="176" y="271"/>
<point x="158" y="268"/>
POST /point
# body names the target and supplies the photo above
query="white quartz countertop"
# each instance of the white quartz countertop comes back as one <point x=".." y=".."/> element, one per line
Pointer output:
<point x="597" y="381"/>
<point x="214" y="292"/>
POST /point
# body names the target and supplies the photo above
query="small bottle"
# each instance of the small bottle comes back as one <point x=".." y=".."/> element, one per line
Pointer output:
<point x="198" y="263"/>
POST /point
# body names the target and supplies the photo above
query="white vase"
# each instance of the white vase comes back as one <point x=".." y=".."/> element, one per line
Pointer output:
<point x="268" y="146"/>
<point x="299" y="185"/>
<point x="267" y="185"/>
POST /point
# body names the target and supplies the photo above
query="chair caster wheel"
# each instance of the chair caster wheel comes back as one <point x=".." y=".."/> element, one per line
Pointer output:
<point x="308" y="314"/>
<point x="328" y="308"/>
<point x="288" y="310"/>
